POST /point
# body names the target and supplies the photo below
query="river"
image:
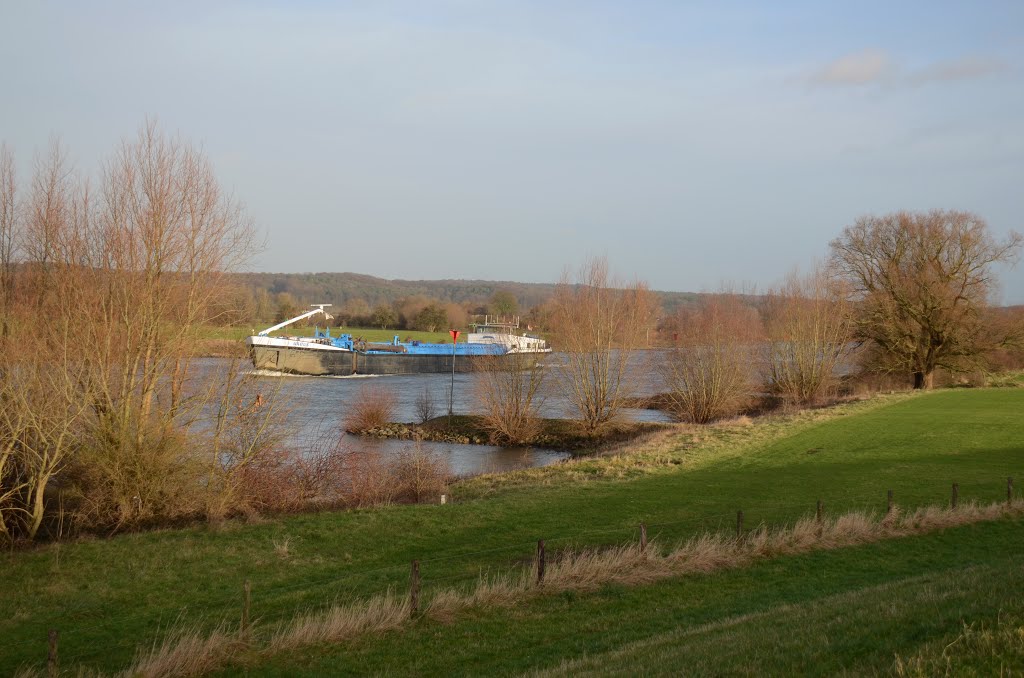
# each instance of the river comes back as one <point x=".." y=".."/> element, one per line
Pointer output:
<point x="317" y="406"/>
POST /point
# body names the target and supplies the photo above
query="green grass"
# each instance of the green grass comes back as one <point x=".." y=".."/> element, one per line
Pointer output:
<point x="108" y="596"/>
<point x="851" y="610"/>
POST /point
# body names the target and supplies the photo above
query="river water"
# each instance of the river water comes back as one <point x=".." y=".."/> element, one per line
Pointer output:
<point x="317" y="406"/>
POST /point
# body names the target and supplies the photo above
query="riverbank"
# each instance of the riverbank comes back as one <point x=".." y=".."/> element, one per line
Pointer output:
<point x="555" y="434"/>
<point x="682" y="482"/>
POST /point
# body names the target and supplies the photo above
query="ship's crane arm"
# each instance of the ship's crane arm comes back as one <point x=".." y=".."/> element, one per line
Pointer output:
<point x="319" y="309"/>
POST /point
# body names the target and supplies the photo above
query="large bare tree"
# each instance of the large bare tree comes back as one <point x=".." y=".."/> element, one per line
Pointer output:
<point x="108" y="289"/>
<point x="922" y="282"/>
<point x="599" y="324"/>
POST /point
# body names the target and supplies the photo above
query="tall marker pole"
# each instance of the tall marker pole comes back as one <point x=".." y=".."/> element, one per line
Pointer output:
<point x="451" y="393"/>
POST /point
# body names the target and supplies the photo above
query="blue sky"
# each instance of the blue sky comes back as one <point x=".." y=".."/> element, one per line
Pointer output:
<point x="691" y="143"/>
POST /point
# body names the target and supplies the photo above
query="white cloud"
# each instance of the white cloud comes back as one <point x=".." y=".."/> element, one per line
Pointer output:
<point x="860" y="68"/>
<point x="877" y="67"/>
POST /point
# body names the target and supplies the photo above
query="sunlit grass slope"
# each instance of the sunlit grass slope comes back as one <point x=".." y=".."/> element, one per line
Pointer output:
<point x="108" y="596"/>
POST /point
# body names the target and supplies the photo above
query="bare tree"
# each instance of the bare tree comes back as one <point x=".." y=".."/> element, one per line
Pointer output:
<point x="38" y="413"/>
<point x="249" y="423"/>
<point x="426" y="408"/>
<point x="709" y="372"/>
<point x="37" y="440"/>
<point x="111" y="290"/>
<point x="598" y="325"/>
<point x="807" y="327"/>
<point x="9" y="233"/>
<point x="922" y="281"/>
<point x="508" y="390"/>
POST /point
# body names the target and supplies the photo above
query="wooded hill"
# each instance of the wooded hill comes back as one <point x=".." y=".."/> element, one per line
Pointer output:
<point x="337" y="288"/>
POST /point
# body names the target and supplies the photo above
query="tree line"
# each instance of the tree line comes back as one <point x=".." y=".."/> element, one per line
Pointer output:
<point x="107" y="280"/>
<point x="900" y="296"/>
<point x="416" y="312"/>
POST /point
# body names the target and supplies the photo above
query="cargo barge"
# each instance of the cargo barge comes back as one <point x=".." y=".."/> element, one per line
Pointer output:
<point x="344" y="355"/>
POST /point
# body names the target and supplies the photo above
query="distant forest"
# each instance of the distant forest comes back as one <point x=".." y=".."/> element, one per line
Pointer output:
<point x="357" y="298"/>
<point x="338" y="288"/>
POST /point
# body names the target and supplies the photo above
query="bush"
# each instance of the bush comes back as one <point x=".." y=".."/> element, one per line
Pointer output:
<point x="418" y="475"/>
<point x="374" y="406"/>
<point x="508" y="389"/>
<point x="285" y="481"/>
<point x="708" y="375"/>
<point x="367" y="478"/>
<point x="143" y="478"/>
<point x="807" y="327"/>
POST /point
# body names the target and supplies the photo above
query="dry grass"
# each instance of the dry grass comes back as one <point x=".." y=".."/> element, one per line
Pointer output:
<point x="494" y="591"/>
<point x="281" y="548"/>
<point x="190" y="653"/>
<point x="375" y="615"/>
<point x="187" y="653"/>
<point x="979" y="649"/>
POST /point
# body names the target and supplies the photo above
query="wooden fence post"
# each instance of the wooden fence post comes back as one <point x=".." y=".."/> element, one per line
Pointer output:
<point x="540" y="561"/>
<point x="246" y="605"/>
<point x="739" y="524"/>
<point x="414" y="589"/>
<point x="52" y="662"/>
<point x="818" y="512"/>
<point x="1009" y="490"/>
<point x="889" y="502"/>
<point x="956" y="495"/>
<point x="643" y="537"/>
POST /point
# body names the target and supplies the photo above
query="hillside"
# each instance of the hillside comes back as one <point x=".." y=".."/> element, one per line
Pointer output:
<point x="337" y="288"/>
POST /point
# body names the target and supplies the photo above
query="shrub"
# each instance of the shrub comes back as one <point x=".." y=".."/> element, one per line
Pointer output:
<point x="374" y="406"/>
<point x="285" y="481"/>
<point x="808" y="337"/>
<point x="508" y="389"/>
<point x="418" y="475"/>
<point x="369" y="478"/>
<point x="708" y="374"/>
<point x="425" y="407"/>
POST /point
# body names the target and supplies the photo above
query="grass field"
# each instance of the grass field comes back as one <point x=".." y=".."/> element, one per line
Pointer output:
<point x="109" y="596"/>
<point x="853" y="610"/>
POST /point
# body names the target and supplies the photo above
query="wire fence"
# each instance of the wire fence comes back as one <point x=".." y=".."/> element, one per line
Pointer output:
<point x="91" y="633"/>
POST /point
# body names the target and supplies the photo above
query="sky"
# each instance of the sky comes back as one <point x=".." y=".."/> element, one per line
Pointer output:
<point x="692" y="143"/>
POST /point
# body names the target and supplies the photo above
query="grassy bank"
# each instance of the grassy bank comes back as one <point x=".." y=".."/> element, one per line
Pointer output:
<point x="109" y="596"/>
